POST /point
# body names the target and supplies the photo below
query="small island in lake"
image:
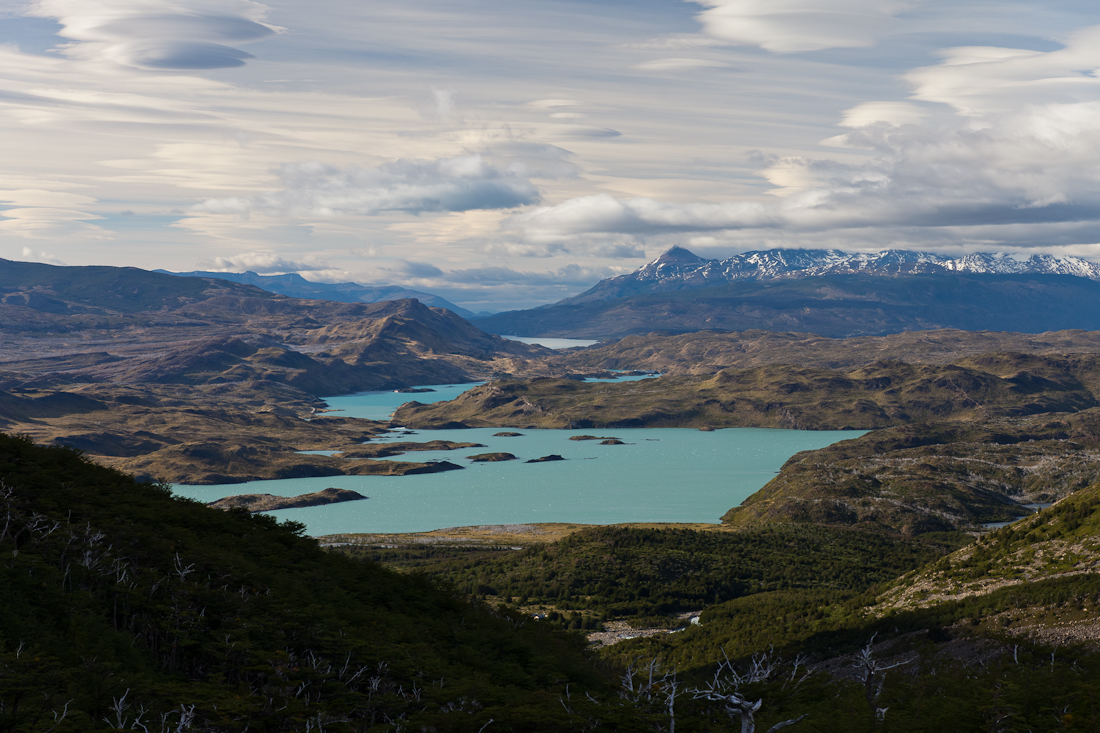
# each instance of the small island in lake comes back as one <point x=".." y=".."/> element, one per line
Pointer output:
<point x="544" y="459"/>
<point x="611" y="441"/>
<point x="603" y="438"/>
<point x="507" y="434"/>
<point x="491" y="457"/>
<point x="269" y="502"/>
<point x="414" y="390"/>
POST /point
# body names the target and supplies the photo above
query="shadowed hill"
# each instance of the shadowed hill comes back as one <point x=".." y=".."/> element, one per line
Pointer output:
<point x="295" y="286"/>
<point x="63" y="290"/>
<point x="829" y="305"/>
<point x="121" y="601"/>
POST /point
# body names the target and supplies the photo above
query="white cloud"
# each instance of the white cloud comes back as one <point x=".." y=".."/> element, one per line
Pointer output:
<point x="262" y="262"/>
<point x="605" y="214"/>
<point x="892" y="113"/>
<point x="1015" y="158"/>
<point x="41" y="213"/>
<point x="789" y="26"/>
<point x="672" y="42"/>
<point x="678" y="64"/>
<point x="159" y="34"/>
<point x="570" y="275"/>
<point x="552" y="103"/>
<point x="1039" y="166"/>
<point x="463" y="183"/>
<point x="980" y="80"/>
<point x="29" y="255"/>
<point x="443" y="105"/>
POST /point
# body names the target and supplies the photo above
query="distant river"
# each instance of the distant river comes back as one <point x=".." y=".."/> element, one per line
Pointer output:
<point x="660" y="475"/>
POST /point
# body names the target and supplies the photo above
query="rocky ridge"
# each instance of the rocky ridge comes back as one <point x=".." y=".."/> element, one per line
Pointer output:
<point x="678" y="268"/>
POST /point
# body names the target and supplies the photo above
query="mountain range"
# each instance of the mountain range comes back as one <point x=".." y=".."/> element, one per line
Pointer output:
<point x="826" y="292"/>
<point x="680" y="269"/>
<point x="294" y="285"/>
<point x="205" y="380"/>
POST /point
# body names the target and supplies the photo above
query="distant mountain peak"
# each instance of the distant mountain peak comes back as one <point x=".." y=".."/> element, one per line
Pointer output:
<point x="679" y="268"/>
<point x="677" y="255"/>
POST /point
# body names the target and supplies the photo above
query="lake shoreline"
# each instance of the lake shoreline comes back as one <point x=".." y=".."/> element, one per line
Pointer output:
<point x="495" y="535"/>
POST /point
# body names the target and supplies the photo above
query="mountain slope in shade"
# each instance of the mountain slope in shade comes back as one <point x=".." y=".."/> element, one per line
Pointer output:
<point x="680" y="269"/>
<point x="296" y="286"/>
<point x="64" y="290"/>
<point x="836" y="306"/>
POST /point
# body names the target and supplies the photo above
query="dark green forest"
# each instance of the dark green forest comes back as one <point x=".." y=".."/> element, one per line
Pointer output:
<point x="646" y="574"/>
<point x="125" y="608"/>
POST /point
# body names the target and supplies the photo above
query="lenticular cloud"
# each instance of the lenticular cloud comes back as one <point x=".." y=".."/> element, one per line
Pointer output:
<point x="463" y="183"/>
<point x="790" y="26"/>
<point x="159" y="35"/>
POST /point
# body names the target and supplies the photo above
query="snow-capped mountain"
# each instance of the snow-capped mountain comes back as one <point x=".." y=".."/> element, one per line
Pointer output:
<point x="679" y="269"/>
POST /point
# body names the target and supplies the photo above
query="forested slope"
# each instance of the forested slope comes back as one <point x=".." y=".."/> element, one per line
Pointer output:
<point x="122" y="604"/>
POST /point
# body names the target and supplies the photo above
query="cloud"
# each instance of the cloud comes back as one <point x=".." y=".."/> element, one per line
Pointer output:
<point x="463" y="183"/>
<point x="790" y="26"/>
<point x="261" y="262"/>
<point x="605" y="214"/>
<point x="1038" y="166"/>
<point x="157" y="34"/>
<point x="999" y="146"/>
<point x="412" y="269"/>
<point x="573" y="275"/>
<point x="535" y="160"/>
<point x="981" y="80"/>
<point x="678" y="64"/>
<point x="444" y="103"/>
<point x="552" y="103"/>
<point x="892" y="113"/>
<point x="29" y="255"/>
<point x="672" y="42"/>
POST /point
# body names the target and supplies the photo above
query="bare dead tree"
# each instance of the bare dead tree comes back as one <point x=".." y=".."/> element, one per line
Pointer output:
<point x="873" y="672"/>
<point x="725" y="689"/>
<point x="182" y="570"/>
<point x="651" y="684"/>
<point x="58" y="718"/>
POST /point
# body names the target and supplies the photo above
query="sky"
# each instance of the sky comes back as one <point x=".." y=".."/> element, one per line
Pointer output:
<point x="507" y="154"/>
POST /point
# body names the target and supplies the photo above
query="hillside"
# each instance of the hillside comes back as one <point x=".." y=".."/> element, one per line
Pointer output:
<point x="881" y="394"/>
<point x="99" y="291"/>
<point x="1059" y="543"/>
<point x="203" y="380"/>
<point x="709" y="352"/>
<point x="126" y="607"/>
<point x="832" y="305"/>
<point x="932" y="477"/>
<point x="680" y="269"/>
<point x="294" y="285"/>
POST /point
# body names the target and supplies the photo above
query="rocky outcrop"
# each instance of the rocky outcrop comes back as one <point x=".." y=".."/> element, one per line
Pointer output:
<point x="269" y="502"/>
<point x="546" y="459"/>
<point x="491" y="457"/>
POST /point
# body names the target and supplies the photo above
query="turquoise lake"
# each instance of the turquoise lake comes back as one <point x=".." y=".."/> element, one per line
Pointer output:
<point x="660" y="475"/>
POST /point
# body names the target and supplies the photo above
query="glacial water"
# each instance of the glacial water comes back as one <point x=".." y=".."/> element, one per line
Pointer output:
<point x="551" y="343"/>
<point x="660" y="475"/>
